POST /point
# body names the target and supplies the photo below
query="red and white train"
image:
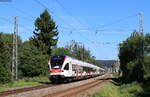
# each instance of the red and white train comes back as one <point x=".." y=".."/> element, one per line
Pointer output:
<point x="65" y="68"/>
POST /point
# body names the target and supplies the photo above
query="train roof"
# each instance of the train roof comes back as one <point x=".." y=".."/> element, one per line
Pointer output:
<point x="80" y="62"/>
<point x="85" y="63"/>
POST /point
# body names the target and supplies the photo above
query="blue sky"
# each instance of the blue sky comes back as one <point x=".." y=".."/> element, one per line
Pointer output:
<point x="80" y="20"/>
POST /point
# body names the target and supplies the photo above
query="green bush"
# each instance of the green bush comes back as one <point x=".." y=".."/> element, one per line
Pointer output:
<point x="5" y="57"/>
<point x="33" y="62"/>
<point x="130" y="55"/>
<point x="5" y="75"/>
<point x="125" y="90"/>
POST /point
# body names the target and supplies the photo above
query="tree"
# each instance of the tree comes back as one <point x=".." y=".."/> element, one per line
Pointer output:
<point x="33" y="62"/>
<point x="6" y="57"/>
<point x="61" y="51"/>
<point x="79" y="51"/>
<point x="147" y="55"/>
<point x="45" y="33"/>
<point x="130" y="58"/>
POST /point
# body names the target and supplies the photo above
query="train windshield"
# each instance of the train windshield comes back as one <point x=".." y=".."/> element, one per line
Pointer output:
<point x="57" y="61"/>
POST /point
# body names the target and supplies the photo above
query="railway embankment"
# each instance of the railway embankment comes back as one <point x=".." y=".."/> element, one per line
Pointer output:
<point x="24" y="83"/>
<point x="114" y="89"/>
<point x="60" y="90"/>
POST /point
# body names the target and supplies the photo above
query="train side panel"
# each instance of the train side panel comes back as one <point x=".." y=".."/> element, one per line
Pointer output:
<point x="71" y="69"/>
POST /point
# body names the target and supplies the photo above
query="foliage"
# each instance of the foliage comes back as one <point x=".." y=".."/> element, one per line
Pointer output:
<point x="25" y="82"/>
<point x="79" y="51"/>
<point x="107" y="63"/>
<point x="5" y="57"/>
<point x="61" y="51"/>
<point x="33" y="54"/>
<point x="5" y="74"/>
<point x="45" y="34"/>
<point x="126" y="90"/>
<point x="135" y="59"/>
<point x="130" y="58"/>
<point x="147" y="55"/>
<point x="33" y="62"/>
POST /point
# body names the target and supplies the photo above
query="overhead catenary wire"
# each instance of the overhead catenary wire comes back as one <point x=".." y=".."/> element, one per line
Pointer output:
<point x="115" y="22"/>
<point x="10" y="22"/>
<point x="101" y="28"/>
<point x="61" y="5"/>
<point x="43" y="5"/>
<point x="70" y="14"/>
<point x="98" y="29"/>
<point x="112" y="23"/>
<point x="26" y="15"/>
<point x="29" y="15"/>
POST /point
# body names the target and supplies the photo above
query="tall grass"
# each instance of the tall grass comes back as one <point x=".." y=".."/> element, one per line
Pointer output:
<point x="126" y="90"/>
<point x="25" y="82"/>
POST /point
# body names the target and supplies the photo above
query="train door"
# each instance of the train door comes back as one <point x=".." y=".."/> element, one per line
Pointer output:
<point x="68" y="69"/>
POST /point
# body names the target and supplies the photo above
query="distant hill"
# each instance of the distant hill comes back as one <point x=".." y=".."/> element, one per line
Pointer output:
<point x="107" y="63"/>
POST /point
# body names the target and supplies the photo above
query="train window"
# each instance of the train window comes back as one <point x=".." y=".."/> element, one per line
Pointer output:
<point x="66" y="66"/>
<point x="73" y="67"/>
<point x="57" y="61"/>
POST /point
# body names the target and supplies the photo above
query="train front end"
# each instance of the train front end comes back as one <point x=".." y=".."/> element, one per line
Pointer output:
<point x="55" y="68"/>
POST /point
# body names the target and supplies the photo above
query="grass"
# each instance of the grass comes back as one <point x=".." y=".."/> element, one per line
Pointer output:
<point x="127" y="90"/>
<point x="25" y="82"/>
<point x="115" y="75"/>
<point x="133" y="89"/>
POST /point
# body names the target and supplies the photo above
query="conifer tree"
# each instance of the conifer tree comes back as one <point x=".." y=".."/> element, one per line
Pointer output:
<point x="45" y="33"/>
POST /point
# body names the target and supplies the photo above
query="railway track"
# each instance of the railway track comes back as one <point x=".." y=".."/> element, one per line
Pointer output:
<point x="78" y="89"/>
<point x="9" y="92"/>
<point x="57" y="90"/>
<point x="74" y="91"/>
